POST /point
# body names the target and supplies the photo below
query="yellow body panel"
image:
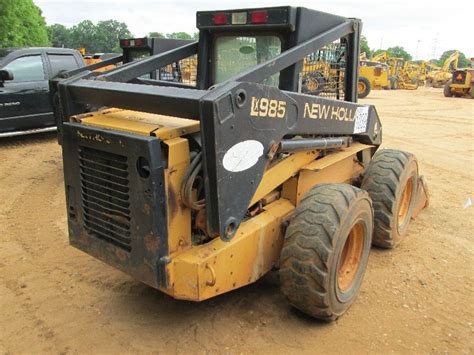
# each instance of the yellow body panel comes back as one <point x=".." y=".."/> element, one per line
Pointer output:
<point x="277" y="174"/>
<point x="178" y="216"/>
<point x="199" y="272"/>
<point x="163" y="127"/>
<point x="217" y="267"/>
<point x="377" y="77"/>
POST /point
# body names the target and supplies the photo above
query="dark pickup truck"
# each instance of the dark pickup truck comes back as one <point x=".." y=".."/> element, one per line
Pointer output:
<point x="25" y="105"/>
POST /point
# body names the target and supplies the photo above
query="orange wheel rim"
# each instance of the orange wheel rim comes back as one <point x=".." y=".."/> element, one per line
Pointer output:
<point x="351" y="257"/>
<point x="361" y="87"/>
<point x="405" y="202"/>
<point x="313" y="84"/>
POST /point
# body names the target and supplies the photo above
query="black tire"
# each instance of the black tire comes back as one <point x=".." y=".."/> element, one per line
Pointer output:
<point x="393" y="84"/>
<point x="313" y="83"/>
<point x="316" y="276"/>
<point x="365" y="84"/>
<point x="447" y="90"/>
<point x="391" y="180"/>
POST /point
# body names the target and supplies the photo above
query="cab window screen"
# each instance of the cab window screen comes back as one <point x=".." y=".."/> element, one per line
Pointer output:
<point x="234" y="54"/>
<point x="138" y="54"/>
<point x="28" y="68"/>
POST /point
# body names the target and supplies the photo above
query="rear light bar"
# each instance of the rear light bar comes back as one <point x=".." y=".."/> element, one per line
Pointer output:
<point x="274" y="16"/>
<point x="133" y="42"/>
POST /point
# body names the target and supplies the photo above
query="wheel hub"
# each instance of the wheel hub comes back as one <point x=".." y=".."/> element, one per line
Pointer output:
<point x="351" y="257"/>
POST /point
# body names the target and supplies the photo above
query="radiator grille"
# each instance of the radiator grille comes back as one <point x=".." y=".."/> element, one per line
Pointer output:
<point x="105" y="196"/>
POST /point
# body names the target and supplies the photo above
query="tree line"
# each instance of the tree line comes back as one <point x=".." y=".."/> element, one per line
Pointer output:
<point x="22" y="25"/>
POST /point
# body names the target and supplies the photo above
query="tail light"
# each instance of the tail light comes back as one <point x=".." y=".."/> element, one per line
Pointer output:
<point x="257" y="17"/>
<point x="219" y="19"/>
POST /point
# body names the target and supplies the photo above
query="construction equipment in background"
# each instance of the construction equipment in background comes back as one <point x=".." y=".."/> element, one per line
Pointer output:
<point x="323" y="70"/>
<point x="438" y="78"/>
<point x="402" y="76"/>
<point x="425" y="69"/>
<point x="372" y="75"/>
<point x="461" y="84"/>
<point x="90" y="59"/>
<point x="381" y="57"/>
<point x="199" y="189"/>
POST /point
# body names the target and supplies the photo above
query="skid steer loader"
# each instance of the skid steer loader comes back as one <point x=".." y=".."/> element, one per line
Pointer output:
<point x="197" y="190"/>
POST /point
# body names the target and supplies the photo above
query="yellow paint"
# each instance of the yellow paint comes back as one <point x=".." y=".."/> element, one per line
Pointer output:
<point x="217" y="267"/>
<point x="163" y="127"/>
<point x="178" y="216"/>
<point x="280" y="172"/>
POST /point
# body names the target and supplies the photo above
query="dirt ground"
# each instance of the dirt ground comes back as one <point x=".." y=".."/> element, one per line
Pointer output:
<point x="417" y="298"/>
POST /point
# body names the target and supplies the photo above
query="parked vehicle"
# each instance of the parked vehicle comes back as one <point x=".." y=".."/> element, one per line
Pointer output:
<point x="25" y="106"/>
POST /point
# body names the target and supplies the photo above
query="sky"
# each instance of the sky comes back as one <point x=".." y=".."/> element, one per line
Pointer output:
<point x="425" y="28"/>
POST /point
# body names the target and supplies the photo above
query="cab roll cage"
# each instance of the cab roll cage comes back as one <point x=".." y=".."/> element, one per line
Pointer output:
<point x="224" y="110"/>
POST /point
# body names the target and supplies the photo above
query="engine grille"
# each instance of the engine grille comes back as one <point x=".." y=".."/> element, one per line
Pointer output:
<point x="105" y="196"/>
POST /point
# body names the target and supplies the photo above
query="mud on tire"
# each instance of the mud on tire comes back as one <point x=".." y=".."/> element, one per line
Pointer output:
<point x="326" y="250"/>
<point x="391" y="181"/>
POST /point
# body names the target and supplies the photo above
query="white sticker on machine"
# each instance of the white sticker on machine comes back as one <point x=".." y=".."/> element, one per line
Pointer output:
<point x="242" y="156"/>
<point x="361" y="117"/>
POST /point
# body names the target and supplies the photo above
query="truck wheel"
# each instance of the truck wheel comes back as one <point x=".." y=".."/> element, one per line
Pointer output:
<point x="313" y="83"/>
<point x="393" y="84"/>
<point x="447" y="90"/>
<point x="363" y="87"/>
<point x="326" y="250"/>
<point x="391" y="181"/>
<point x="429" y="83"/>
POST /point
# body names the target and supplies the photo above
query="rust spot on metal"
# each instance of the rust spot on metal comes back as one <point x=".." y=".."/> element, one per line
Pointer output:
<point x="172" y="202"/>
<point x="147" y="209"/>
<point x="151" y="243"/>
<point x="201" y="220"/>
<point x="122" y="255"/>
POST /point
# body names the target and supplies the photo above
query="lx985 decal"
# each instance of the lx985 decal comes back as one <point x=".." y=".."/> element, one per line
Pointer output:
<point x="264" y="107"/>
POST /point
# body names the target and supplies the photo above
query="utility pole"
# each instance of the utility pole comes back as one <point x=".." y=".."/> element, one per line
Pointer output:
<point x="435" y="43"/>
<point x="417" y="47"/>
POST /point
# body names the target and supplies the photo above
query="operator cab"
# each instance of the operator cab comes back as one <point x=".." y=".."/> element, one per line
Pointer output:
<point x="234" y="41"/>
<point x="135" y="49"/>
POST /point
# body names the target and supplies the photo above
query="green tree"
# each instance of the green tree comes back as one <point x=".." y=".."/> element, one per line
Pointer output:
<point x="399" y="52"/>
<point x="156" y="35"/>
<point x="377" y="52"/>
<point x="83" y="35"/>
<point x="59" y="35"/>
<point x="364" y="46"/>
<point x="103" y="37"/>
<point x="462" y="63"/>
<point x="21" y="24"/>
<point x="108" y="33"/>
<point x="178" y="35"/>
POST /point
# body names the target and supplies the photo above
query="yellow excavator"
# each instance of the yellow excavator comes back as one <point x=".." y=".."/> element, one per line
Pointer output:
<point x="438" y="78"/>
<point x="425" y="69"/>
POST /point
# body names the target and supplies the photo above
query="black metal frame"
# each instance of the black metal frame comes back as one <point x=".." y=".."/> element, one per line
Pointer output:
<point x="225" y="109"/>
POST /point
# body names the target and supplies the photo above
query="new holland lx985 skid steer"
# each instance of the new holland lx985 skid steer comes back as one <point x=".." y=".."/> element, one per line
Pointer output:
<point x="198" y="190"/>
